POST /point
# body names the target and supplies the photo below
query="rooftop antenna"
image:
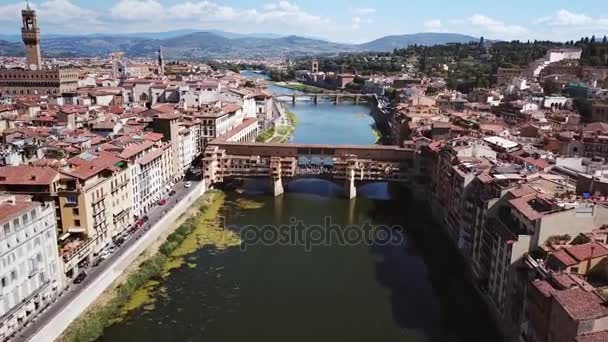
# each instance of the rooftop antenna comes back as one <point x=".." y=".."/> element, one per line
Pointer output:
<point x="27" y="2"/>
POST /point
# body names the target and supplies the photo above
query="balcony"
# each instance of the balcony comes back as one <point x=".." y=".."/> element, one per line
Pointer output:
<point x="121" y="215"/>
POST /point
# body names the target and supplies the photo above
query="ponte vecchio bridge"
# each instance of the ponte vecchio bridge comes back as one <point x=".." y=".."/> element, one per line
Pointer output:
<point x="347" y="164"/>
<point x="316" y="98"/>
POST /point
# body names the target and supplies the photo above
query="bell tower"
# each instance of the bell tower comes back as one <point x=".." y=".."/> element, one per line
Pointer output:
<point x="31" y="38"/>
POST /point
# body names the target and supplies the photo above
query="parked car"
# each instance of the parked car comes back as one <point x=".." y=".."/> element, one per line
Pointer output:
<point x="97" y="262"/>
<point x="145" y="218"/>
<point x="79" y="278"/>
<point x="162" y="201"/>
<point x="172" y="193"/>
<point x="187" y="184"/>
<point x="104" y="255"/>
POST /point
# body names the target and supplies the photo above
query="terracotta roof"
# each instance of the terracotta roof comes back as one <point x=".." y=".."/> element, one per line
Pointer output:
<point x="153" y="136"/>
<point x="580" y="304"/>
<point x="563" y="258"/>
<point x="600" y="336"/>
<point x="87" y="168"/>
<point x="8" y="211"/>
<point x="587" y="251"/>
<point x="27" y="175"/>
<point x="523" y="206"/>
<point x="133" y="149"/>
<point x="150" y="156"/>
<point x="230" y="108"/>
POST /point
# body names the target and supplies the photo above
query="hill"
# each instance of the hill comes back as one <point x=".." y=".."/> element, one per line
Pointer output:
<point x="389" y="43"/>
<point x="184" y="44"/>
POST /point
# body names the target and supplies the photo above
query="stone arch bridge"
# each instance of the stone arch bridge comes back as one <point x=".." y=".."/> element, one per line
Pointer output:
<point x="350" y="164"/>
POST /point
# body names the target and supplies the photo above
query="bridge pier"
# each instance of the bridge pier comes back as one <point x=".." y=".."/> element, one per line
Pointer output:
<point x="277" y="187"/>
<point x="356" y="99"/>
<point x="277" y="183"/>
<point x="337" y="99"/>
<point x="293" y="99"/>
<point x="350" y="190"/>
<point x="315" y="99"/>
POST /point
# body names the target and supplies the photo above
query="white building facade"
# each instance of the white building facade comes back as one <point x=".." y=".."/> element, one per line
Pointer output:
<point x="31" y="273"/>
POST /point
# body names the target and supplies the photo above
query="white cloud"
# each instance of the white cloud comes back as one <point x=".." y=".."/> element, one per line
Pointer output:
<point x="567" y="18"/>
<point x="138" y="10"/>
<point x="52" y="14"/>
<point x="497" y="27"/>
<point x="357" y="21"/>
<point x="434" y="24"/>
<point x="364" y="10"/>
<point x="283" y="12"/>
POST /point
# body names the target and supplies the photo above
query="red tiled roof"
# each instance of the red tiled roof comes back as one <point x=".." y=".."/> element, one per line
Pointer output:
<point x="84" y="169"/>
<point x="563" y="258"/>
<point x="587" y="251"/>
<point x="150" y="156"/>
<point x="230" y="108"/>
<point x="522" y="205"/>
<point x="600" y="336"/>
<point x="27" y="175"/>
<point x="9" y="211"/>
<point x="133" y="149"/>
<point x="153" y="136"/>
<point x="580" y="304"/>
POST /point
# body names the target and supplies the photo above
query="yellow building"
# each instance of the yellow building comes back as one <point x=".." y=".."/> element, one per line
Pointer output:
<point x="96" y="206"/>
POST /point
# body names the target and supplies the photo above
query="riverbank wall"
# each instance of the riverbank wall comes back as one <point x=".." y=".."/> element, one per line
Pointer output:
<point x="55" y="327"/>
<point x="382" y="118"/>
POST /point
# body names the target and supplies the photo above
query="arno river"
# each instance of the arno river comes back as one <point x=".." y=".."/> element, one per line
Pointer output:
<point x="409" y="289"/>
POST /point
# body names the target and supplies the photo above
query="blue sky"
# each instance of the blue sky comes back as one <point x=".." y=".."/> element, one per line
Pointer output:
<point x="336" y="20"/>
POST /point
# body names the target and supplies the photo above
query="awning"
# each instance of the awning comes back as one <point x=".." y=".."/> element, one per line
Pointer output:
<point x="64" y="236"/>
<point x="77" y="230"/>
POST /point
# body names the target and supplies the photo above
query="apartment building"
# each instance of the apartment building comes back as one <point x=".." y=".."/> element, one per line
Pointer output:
<point x="31" y="273"/>
<point x="149" y="170"/>
<point x="96" y="207"/>
<point x="517" y="224"/>
<point x="563" y="307"/>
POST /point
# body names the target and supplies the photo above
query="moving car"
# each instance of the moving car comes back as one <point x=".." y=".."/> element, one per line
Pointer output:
<point x="187" y="184"/>
<point x="79" y="278"/>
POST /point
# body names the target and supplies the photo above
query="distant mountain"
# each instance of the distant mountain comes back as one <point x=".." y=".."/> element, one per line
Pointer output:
<point x="185" y="44"/>
<point x="389" y="43"/>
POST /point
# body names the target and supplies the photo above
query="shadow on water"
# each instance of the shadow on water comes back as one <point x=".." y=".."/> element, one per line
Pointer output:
<point x="460" y="313"/>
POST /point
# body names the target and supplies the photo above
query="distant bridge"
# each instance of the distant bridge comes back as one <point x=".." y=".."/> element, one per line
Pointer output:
<point x="350" y="164"/>
<point x="333" y="97"/>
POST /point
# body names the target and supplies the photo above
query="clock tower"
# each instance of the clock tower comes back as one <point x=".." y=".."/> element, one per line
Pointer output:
<point x="31" y="38"/>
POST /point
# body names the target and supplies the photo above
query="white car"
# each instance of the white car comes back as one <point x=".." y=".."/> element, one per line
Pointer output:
<point x="104" y="255"/>
<point x="187" y="184"/>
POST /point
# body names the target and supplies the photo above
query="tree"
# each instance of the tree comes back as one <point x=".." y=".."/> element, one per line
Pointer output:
<point x="583" y="106"/>
<point x="550" y="87"/>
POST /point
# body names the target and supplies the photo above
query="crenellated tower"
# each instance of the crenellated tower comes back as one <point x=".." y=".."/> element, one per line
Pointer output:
<point x="31" y="38"/>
